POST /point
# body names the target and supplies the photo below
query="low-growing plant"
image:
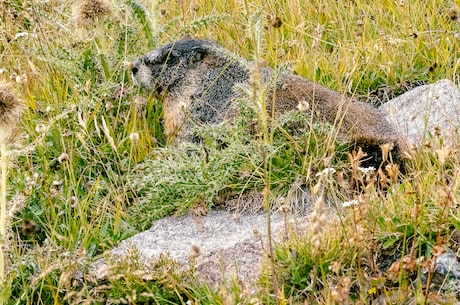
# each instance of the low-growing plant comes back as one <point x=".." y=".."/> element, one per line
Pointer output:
<point x="227" y="165"/>
<point x="93" y="169"/>
<point x="389" y="238"/>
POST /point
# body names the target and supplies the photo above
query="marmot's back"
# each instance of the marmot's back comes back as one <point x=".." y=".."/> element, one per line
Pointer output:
<point x="359" y="122"/>
<point x="196" y="80"/>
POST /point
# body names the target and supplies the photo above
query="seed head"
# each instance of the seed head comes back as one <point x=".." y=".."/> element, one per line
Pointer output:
<point x="454" y="12"/>
<point x="89" y="11"/>
<point x="28" y="227"/>
<point x="443" y="154"/>
<point x="276" y="22"/>
<point x="10" y="110"/>
<point x="318" y="220"/>
<point x="437" y="131"/>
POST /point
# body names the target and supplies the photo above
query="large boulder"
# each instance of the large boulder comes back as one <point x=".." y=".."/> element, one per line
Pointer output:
<point x="446" y="274"/>
<point x="419" y="111"/>
<point x="222" y="244"/>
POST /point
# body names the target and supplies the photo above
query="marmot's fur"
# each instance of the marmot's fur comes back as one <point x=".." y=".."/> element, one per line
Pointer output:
<point x="199" y="76"/>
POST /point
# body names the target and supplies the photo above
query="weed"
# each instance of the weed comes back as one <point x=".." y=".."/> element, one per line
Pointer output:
<point x="92" y="167"/>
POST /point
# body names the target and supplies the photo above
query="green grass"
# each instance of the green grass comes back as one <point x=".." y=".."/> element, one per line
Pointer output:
<point x="80" y="184"/>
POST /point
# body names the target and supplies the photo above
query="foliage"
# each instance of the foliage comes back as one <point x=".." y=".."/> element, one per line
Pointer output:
<point x="91" y="167"/>
<point x="227" y="165"/>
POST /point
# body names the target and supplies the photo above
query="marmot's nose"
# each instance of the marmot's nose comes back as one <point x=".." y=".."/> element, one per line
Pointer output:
<point x="135" y="66"/>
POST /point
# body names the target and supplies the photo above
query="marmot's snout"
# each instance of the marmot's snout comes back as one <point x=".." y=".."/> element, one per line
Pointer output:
<point x="135" y="66"/>
<point x="142" y="75"/>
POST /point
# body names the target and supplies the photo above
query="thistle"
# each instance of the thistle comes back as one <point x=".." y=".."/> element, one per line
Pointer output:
<point x="10" y="110"/>
<point x="89" y="11"/>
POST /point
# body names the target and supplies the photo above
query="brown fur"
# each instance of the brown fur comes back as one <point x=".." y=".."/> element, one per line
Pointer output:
<point x="196" y="79"/>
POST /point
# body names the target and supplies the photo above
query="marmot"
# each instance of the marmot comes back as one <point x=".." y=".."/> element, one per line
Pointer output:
<point x="199" y="76"/>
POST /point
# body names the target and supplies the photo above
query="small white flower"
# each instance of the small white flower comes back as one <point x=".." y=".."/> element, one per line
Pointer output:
<point x="109" y="106"/>
<point x="326" y="172"/>
<point x="350" y="203"/>
<point x="73" y="201"/>
<point x="366" y="170"/>
<point x="303" y="106"/>
<point x="30" y="183"/>
<point x="3" y="70"/>
<point x="41" y="128"/>
<point x="21" y="79"/>
<point x="63" y="157"/>
<point x="19" y="35"/>
<point x="57" y="182"/>
<point x="134" y="137"/>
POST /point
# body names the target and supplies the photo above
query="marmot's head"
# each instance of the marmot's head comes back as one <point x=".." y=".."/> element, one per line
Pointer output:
<point x="169" y="65"/>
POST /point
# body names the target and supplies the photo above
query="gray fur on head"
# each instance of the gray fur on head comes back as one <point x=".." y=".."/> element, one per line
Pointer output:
<point x="153" y="70"/>
<point x="193" y="74"/>
<point x="196" y="81"/>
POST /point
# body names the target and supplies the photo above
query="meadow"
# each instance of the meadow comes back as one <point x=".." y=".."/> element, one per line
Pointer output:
<point x="86" y="164"/>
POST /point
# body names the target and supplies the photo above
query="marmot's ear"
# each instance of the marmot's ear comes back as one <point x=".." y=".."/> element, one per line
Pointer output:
<point x="174" y="53"/>
<point x="198" y="53"/>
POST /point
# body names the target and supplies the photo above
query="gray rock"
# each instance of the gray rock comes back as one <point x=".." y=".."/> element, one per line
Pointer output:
<point x="222" y="244"/>
<point x="419" y="111"/>
<point x="446" y="276"/>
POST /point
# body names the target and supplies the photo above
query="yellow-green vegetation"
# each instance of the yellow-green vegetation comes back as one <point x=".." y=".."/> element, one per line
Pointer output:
<point x="89" y="166"/>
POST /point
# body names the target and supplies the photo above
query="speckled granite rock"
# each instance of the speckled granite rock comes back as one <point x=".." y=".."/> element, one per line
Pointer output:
<point x="221" y="242"/>
<point x="446" y="276"/>
<point x="424" y="108"/>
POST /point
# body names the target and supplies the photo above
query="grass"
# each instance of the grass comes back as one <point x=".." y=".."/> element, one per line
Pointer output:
<point x="81" y="177"/>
